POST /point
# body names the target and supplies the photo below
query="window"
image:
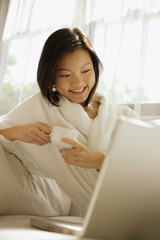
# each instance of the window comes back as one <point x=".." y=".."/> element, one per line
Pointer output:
<point x="124" y="33"/>
<point x="128" y="45"/>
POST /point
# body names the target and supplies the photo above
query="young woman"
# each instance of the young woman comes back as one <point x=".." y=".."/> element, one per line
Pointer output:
<point x="68" y="75"/>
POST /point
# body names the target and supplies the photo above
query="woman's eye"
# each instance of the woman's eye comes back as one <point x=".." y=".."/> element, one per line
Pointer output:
<point x="86" y="70"/>
<point x="64" y="75"/>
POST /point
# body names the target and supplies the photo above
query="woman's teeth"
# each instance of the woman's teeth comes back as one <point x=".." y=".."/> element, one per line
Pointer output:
<point x="78" y="91"/>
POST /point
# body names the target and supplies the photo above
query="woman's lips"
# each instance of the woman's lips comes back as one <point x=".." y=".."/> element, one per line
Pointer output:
<point x="78" y="91"/>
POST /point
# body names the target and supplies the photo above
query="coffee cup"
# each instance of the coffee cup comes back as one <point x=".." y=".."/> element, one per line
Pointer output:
<point x="60" y="132"/>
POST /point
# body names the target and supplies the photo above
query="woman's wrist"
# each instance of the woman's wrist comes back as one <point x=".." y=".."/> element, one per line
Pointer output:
<point x="8" y="133"/>
<point x="100" y="161"/>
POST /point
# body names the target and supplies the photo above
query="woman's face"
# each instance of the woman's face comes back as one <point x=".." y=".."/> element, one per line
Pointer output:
<point x="75" y="76"/>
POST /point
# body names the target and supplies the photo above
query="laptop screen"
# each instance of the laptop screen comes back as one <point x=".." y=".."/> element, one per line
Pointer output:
<point x="126" y="201"/>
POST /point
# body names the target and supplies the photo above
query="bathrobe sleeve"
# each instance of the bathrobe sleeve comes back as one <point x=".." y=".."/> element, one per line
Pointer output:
<point x="29" y="111"/>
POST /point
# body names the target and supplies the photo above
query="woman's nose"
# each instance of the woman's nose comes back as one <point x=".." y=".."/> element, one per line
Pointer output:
<point x="77" y="80"/>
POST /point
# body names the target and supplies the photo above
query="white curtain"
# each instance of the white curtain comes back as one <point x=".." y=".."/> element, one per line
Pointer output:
<point x="4" y="5"/>
<point x="124" y="33"/>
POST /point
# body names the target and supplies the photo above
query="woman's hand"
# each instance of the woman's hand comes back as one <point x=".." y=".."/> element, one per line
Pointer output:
<point x="81" y="155"/>
<point x="37" y="133"/>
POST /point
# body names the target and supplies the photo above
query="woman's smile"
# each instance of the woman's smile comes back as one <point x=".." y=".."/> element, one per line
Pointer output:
<point x="78" y="91"/>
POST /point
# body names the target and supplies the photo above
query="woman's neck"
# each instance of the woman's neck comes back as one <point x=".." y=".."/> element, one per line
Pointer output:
<point x="92" y="109"/>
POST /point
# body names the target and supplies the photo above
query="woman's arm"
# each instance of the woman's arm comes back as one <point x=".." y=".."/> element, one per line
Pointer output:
<point x="37" y="133"/>
<point x="81" y="155"/>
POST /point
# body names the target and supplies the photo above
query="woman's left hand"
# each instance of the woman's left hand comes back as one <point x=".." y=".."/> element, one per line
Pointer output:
<point x="81" y="156"/>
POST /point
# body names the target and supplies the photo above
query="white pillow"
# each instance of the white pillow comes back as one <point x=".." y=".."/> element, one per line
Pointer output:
<point x="23" y="193"/>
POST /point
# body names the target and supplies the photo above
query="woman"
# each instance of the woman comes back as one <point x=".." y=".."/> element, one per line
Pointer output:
<point x="68" y="75"/>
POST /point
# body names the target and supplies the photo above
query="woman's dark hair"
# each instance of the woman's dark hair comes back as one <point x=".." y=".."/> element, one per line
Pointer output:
<point x="62" y="41"/>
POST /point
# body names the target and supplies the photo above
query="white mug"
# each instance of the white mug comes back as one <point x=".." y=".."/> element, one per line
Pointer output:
<point x="61" y="132"/>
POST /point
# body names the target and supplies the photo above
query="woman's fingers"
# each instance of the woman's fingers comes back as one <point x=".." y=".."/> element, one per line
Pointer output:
<point x="80" y="155"/>
<point x="43" y="134"/>
<point x="74" y="143"/>
<point x="44" y="127"/>
<point x="41" y="140"/>
<point x="43" y="137"/>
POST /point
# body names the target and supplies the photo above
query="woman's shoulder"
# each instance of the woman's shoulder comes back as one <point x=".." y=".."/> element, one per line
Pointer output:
<point x="32" y="105"/>
<point x="35" y="100"/>
<point x="35" y="108"/>
<point x="124" y="110"/>
<point x="121" y="109"/>
<point x="35" y="97"/>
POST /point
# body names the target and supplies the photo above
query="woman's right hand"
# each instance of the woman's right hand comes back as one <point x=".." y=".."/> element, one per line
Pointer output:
<point x="37" y="133"/>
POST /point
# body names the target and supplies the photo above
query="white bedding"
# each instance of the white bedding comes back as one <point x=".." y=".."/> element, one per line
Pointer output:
<point x="18" y="228"/>
<point x="23" y="193"/>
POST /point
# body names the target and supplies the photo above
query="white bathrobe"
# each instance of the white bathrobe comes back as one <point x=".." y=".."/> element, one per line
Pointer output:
<point x="78" y="183"/>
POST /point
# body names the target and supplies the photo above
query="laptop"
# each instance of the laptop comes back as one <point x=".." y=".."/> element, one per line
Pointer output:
<point x="126" y="201"/>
